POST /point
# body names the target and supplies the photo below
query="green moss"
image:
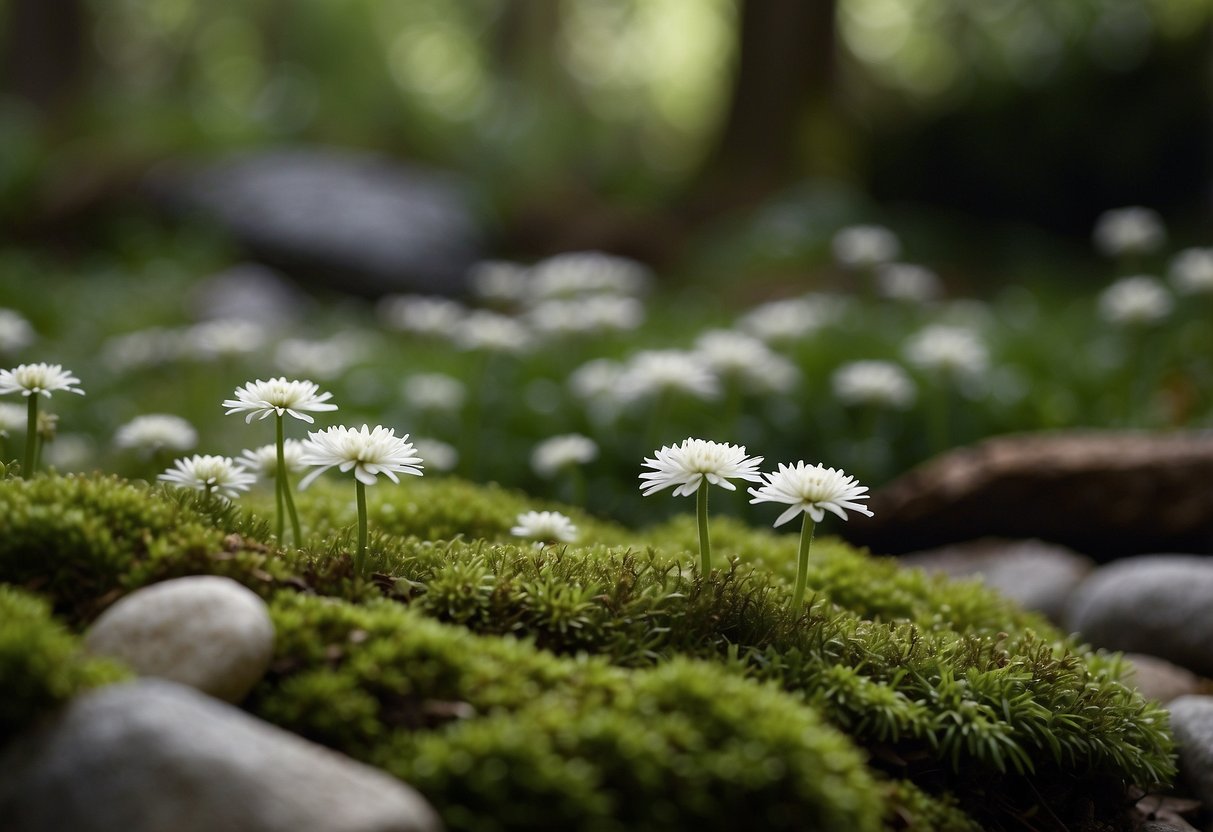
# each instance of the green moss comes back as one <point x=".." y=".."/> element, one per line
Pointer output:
<point x="41" y="665"/>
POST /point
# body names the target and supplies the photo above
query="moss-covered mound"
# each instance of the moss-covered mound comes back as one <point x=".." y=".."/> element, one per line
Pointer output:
<point x="609" y="685"/>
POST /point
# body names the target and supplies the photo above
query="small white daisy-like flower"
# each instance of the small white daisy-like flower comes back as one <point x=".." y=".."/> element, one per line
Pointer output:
<point x="214" y="474"/>
<point x="499" y="280"/>
<point x="907" y="282"/>
<point x="791" y="319"/>
<point x="1129" y="231"/>
<point x="748" y="360"/>
<point x="438" y="455"/>
<point x="420" y="314"/>
<point x="15" y="331"/>
<point x="951" y="350"/>
<point x="434" y="392"/>
<point x="1192" y="271"/>
<point x="491" y="332"/>
<point x="154" y="432"/>
<point x="262" y="398"/>
<point x="1135" y="301"/>
<point x="544" y="527"/>
<point x="553" y="455"/>
<point x="879" y="383"/>
<point x="811" y="489"/>
<point x="865" y="246"/>
<point x="12" y="417"/>
<point x="38" y="379"/>
<point x="651" y="373"/>
<point x="587" y="272"/>
<point x="263" y="461"/>
<point x="223" y="338"/>
<point x="689" y="464"/>
<point x="368" y="452"/>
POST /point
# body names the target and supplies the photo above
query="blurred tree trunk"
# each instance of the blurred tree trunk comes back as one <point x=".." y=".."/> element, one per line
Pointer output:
<point x="43" y="51"/>
<point x="785" y="79"/>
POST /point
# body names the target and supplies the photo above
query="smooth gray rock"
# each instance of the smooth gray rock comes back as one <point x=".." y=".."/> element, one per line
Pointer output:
<point x="153" y="756"/>
<point x="1039" y="576"/>
<point x="1155" y="604"/>
<point x="1159" y="679"/>
<point x="204" y="631"/>
<point x="1192" y="725"/>
<point x="351" y="221"/>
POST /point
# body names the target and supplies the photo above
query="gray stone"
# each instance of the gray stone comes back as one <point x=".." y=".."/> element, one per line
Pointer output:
<point x="1157" y="604"/>
<point x="152" y="756"/>
<point x="204" y="631"/>
<point x="1039" y="576"/>
<point x="1102" y="493"/>
<point x="1159" y="679"/>
<point x="1192" y="726"/>
<point x="352" y="221"/>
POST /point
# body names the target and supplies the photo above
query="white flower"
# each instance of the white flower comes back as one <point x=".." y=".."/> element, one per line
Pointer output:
<point x="368" y="452"/>
<point x="879" y="383"/>
<point x="68" y="452"/>
<point x="737" y="355"/>
<point x="33" y="379"/>
<point x="144" y="348"/>
<point x="12" y="417"/>
<point x="952" y="350"/>
<point x="323" y="359"/>
<point x="216" y="474"/>
<point x="553" y="455"/>
<point x="695" y="460"/>
<point x="650" y="373"/>
<point x="499" y="280"/>
<point x="907" y="282"/>
<point x="436" y="392"/>
<point x="587" y="272"/>
<point x="865" y="246"/>
<point x="1128" y="231"/>
<point x="586" y="316"/>
<point x="791" y="319"/>
<point x="544" y="527"/>
<point x="261" y="398"/>
<point x="154" y="432"/>
<point x="224" y="338"/>
<point x="263" y="461"/>
<point x="438" y="455"/>
<point x="1135" y="301"/>
<point x="421" y="315"/>
<point x="1192" y="271"/>
<point x="491" y="332"/>
<point x="596" y="379"/>
<point x="812" y="489"/>
<point x="15" y="331"/>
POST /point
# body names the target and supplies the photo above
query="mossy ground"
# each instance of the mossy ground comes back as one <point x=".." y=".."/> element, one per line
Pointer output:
<point x="608" y="685"/>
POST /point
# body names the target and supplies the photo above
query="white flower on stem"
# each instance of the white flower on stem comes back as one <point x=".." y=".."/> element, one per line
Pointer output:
<point x="1135" y="301"/>
<point x="263" y="461"/>
<point x="420" y="314"/>
<point x="12" y="417"/>
<point x="812" y="490"/>
<point x="367" y="452"/>
<point x="213" y="474"/>
<point x="38" y="379"/>
<point x="587" y="272"/>
<point x="262" y="398"/>
<point x="15" y="331"/>
<point x="499" y="280"/>
<point x="951" y="350"/>
<point x="544" y="527"/>
<point x="1192" y="271"/>
<point x="878" y="383"/>
<point x="907" y="282"/>
<point x="694" y="461"/>
<point x="438" y="455"/>
<point x="224" y="338"/>
<point x="791" y="319"/>
<point x="1129" y="231"/>
<point x="553" y="455"/>
<point x="865" y="246"/>
<point x="651" y="373"/>
<point x="434" y="392"/>
<point x="154" y="432"/>
<point x="748" y="360"/>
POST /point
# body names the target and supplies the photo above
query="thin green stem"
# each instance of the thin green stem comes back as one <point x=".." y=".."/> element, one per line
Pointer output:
<point x="360" y="558"/>
<point x="284" y="490"/>
<point x="31" y="438"/>
<point x="802" y="562"/>
<point x="705" y="542"/>
<point x="280" y="523"/>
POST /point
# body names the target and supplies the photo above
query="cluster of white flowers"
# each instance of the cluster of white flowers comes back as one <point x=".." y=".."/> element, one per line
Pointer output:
<point x="1191" y="271"/>
<point x="1136" y="301"/>
<point x="586" y="273"/>
<point x="492" y="332"/>
<point x="874" y="383"/>
<point x="16" y="333"/>
<point x="592" y="315"/>
<point x="908" y="282"/>
<point x="1129" y="231"/>
<point x="154" y="432"/>
<point x="865" y="246"/>
<point x="954" y="351"/>
<point x="749" y="361"/>
<point x="791" y="319"/>
<point x="555" y="454"/>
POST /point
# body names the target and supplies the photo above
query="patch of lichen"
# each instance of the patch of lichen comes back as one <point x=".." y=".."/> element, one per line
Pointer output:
<point x="41" y="664"/>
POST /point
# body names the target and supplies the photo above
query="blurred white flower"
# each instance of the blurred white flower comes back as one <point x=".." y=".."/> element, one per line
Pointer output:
<point x="586" y="316"/>
<point x="951" y="350"/>
<point x="367" y="452"/>
<point x="811" y="490"/>
<point x="1192" y="271"/>
<point x="218" y="475"/>
<point x="155" y="432"/>
<point x="865" y="246"/>
<point x="791" y="319"/>
<point x="553" y="455"/>
<point x="651" y="373"/>
<point x="491" y="332"/>
<point x="144" y="348"/>
<point x="421" y="314"/>
<point x="596" y="379"/>
<point x="587" y="272"/>
<point x="1135" y="301"/>
<point x="500" y="281"/>
<point x="326" y="359"/>
<point x="544" y="527"/>
<point x="12" y="417"/>
<point x="742" y="357"/>
<point x="68" y="452"/>
<point x="1129" y="231"/>
<point x="908" y="282"/>
<point x="877" y="383"/>
<point x="695" y="461"/>
<point x="263" y="461"/>
<point x="438" y="455"/>
<point x="434" y="392"/>
<point x="261" y="398"/>
<point x="16" y="333"/>
<point x="38" y="379"/>
<point x="223" y="338"/>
